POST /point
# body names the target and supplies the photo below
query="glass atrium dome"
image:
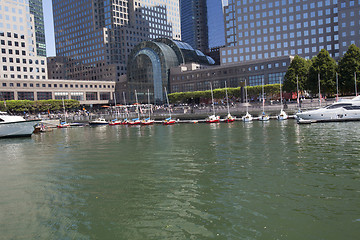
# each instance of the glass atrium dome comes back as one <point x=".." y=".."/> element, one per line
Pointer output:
<point x="149" y="65"/>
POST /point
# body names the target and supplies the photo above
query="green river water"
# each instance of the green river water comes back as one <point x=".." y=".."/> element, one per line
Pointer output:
<point x="274" y="180"/>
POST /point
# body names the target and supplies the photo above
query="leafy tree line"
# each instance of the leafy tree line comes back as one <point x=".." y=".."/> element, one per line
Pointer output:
<point x="324" y="67"/>
<point x="271" y="90"/>
<point x="20" y="106"/>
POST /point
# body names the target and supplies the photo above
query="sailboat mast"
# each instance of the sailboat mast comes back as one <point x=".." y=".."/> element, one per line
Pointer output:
<point x="355" y="84"/>
<point x="246" y="100"/>
<point x="64" y="108"/>
<point x="281" y="95"/>
<point x="212" y="98"/>
<point x="149" y="103"/>
<point x="137" y="105"/>
<point x="337" y="87"/>
<point x="126" y="111"/>
<point x="227" y="99"/>
<point x="167" y="99"/>
<point x="115" y="105"/>
<point x="297" y="89"/>
<point x="319" y="90"/>
<point x="263" y="99"/>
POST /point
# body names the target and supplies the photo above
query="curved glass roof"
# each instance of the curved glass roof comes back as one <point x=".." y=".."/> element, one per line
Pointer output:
<point x="211" y="61"/>
<point x="198" y="52"/>
<point x="183" y="45"/>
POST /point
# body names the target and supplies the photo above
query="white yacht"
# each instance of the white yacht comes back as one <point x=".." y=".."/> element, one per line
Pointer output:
<point x="343" y="110"/>
<point x="16" y="126"/>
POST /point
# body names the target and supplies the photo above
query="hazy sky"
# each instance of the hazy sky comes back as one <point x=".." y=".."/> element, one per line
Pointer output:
<point x="49" y="28"/>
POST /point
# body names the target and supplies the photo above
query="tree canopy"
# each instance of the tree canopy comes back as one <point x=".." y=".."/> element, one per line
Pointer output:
<point x="322" y="66"/>
<point x="299" y="68"/>
<point x="348" y="65"/>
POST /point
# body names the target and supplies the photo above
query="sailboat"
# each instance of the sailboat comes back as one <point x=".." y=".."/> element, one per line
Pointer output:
<point x="148" y="121"/>
<point x="282" y="115"/>
<point x="212" y="118"/>
<point x="135" y="121"/>
<point x="229" y="118"/>
<point x="126" y="114"/>
<point x="263" y="117"/>
<point x="63" y="124"/>
<point x="115" y="121"/>
<point x="247" y="117"/>
<point x="168" y="121"/>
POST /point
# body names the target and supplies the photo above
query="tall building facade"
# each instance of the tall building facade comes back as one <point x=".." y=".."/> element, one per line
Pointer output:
<point x="20" y="56"/>
<point x="36" y="9"/>
<point x="216" y="29"/>
<point x="96" y="36"/>
<point x="257" y="29"/>
<point x="194" y="27"/>
<point x="202" y="23"/>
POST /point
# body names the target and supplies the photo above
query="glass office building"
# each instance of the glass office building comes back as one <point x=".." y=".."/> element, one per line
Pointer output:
<point x="194" y="23"/>
<point x="97" y="36"/>
<point x="22" y="53"/>
<point x="257" y="29"/>
<point x="215" y="18"/>
<point x="36" y="8"/>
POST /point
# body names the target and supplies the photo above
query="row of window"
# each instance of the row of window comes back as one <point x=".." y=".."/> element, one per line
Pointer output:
<point x="55" y="85"/>
<point x="57" y="96"/>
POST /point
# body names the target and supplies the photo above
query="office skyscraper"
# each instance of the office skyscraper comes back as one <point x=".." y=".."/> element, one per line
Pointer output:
<point x="21" y="53"/>
<point x="216" y="27"/>
<point x="96" y="36"/>
<point x="36" y="9"/>
<point x="194" y="28"/>
<point x="202" y="23"/>
<point x="265" y="29"/>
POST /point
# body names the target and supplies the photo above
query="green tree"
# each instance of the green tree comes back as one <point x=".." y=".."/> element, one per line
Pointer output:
<point x="299" y="67"/>
<point x="348" y="65"/>
<point x="326" y="66"/>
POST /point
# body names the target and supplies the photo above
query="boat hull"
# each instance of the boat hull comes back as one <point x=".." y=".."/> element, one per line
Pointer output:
<point x="213" y="121"/>
<point x="98" y="123"/>
<point x="323" y="115"/>
<point x="169" y="122"/>
<point x="17" y="129"/>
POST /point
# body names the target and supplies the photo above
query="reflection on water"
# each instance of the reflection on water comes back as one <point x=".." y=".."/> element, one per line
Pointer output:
<point x="263" y="180"/>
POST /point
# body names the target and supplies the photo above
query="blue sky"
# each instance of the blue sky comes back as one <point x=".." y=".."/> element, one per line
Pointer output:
<point x="49" y="28"/>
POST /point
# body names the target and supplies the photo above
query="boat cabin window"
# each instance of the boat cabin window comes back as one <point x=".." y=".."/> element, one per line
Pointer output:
<point x="339" y="106"/>
<point x="352" y="108"/>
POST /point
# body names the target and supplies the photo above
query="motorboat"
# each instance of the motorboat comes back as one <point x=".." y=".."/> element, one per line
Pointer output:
<point x="16" y="126"/>
<point x="98" y="121"/>
<point x="247" y="117"/>
<point x="282" y="115"/>
<point x="212" y="119"/>
<point x="342" y="110"/>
